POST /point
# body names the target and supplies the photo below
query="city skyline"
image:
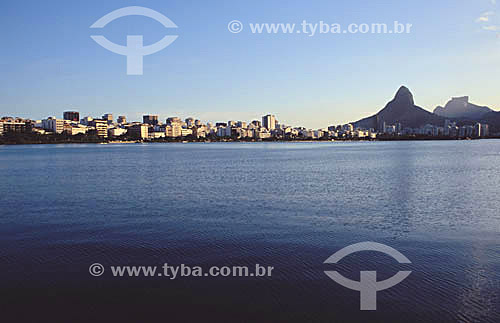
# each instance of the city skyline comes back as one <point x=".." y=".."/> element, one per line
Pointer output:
<point x="140" y="117"/>
<point x="269" y="128"/>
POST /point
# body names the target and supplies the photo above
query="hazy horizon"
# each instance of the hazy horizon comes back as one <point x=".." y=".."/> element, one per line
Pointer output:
<point x="50" y="64"/>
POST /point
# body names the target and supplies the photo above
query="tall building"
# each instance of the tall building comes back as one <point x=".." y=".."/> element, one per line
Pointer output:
<point x="399" y="128"/>
<point x="101" y="127"/>
<point x="481" y="130"/>
<point x="108" y="117"/>
<point x="485" y="130"/>
<point x="380" y="125"/>
<point x="269" y="122"/>
<point x="71" y="116"/>
<point x="121" y="119"/>
<point x="173" y="130"/>
<point x="150" y="119"/>
<point x="139" y="131"/>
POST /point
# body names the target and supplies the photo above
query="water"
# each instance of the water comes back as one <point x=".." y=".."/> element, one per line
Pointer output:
<point x="286" y="205"/>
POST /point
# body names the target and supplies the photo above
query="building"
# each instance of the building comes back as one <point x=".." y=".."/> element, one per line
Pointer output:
<point x="101" y="127"/>
<point x="190" y="122"/>
<point x="156" y="134"/>
<point x="200" y="132"/>
<point x="481" y="130"/>
<point x="121" y="120"/>
<point x="116" y="132"/>
<point x="257" y="123"/>
<point x="173" y="130"/>
<point x="224" y="131"/>
<point x="381" y="125"/>
<point x="74" y="130"/>
<point x="269" y="122"/>
<point x="399" y="128"/>
<point x="186" y="132"/>
<point x="263" y="134"/>
<point x="348" y="127"/>
<point x="86" y="121"/>
<point x="53" y="125"/>
<point x="318" y="133"/>
<point x="38" y="131"/>
<point x="150" y="119"/>
<point x="139" y="131"/>
<point x="466" y="132"/>
<point x="108" y="117"/>
<point x="71" y="116"/>
<point x="391" y="130"/>
<point x="15" y="125"/>
<point x="485" y="130"/>
<point x="174" y="120"/>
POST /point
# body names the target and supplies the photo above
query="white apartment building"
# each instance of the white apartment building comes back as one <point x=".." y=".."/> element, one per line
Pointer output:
<point x="186" y="132"/>
<point x="76" y="130"/>
<point x="101" y="126"/>
<point x="116" y="132"/>
<point x="54" y="125"/>
<point x="157" y="134"/>
<point x="173" y="130"/>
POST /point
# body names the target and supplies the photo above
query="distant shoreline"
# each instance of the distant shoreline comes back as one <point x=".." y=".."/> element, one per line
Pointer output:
<point x="105" y="142"/>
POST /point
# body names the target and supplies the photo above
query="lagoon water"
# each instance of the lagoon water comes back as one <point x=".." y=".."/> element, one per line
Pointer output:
<point x="286" y="205"/>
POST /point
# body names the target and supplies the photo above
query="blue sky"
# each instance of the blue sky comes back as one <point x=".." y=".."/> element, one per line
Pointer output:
<point x="50" y="64"/>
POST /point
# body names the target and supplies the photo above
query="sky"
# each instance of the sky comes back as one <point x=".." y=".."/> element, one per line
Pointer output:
<point x="49" y="63"/>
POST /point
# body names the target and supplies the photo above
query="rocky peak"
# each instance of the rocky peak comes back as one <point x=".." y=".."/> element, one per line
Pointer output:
<point x="404" y="96"/>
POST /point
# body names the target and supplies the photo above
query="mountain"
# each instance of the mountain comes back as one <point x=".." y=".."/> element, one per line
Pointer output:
<point x="401" y="109"/>
<point x="460" y="108"/>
